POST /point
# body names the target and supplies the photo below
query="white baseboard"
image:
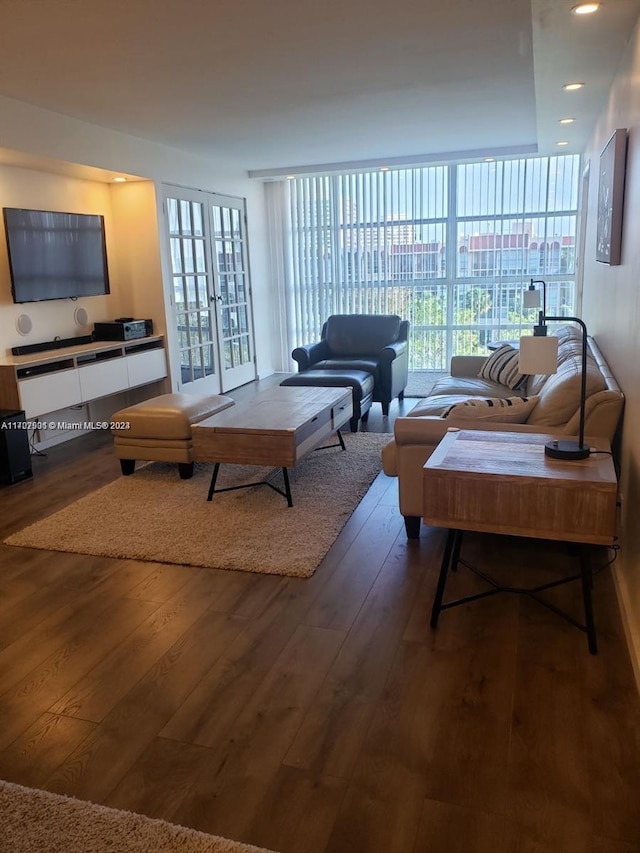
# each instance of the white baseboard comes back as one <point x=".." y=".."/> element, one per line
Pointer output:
<point x="630" y="621"/>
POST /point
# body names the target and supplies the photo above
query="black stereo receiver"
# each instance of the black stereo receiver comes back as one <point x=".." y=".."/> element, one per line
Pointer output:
<point x="122" y="330"/>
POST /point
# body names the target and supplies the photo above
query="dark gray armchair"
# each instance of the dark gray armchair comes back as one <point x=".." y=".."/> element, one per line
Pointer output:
<point x="375" y="343"/>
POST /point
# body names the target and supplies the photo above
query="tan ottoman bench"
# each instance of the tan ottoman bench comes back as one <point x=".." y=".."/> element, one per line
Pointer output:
<point x="159" y="429"/>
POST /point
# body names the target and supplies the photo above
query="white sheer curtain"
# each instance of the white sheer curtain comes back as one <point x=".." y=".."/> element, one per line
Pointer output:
<point x="449" y="248"/>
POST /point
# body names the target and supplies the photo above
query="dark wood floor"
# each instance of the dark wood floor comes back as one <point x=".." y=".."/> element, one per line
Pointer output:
<point x="321" y="714"/>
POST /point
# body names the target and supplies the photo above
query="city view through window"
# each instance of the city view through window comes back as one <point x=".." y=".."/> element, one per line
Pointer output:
<point x="450" y="248"/>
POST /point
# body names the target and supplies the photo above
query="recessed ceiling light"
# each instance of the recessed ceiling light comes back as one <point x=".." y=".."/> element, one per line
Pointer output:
<point x="384" y="168"/>
<point x="570" y="87"/>
<point x="567" y="120"/>
<point x="291" y="177"/>
<point x="562" y="143"/>
<point x="119" y="180"/>
<point x="489" y="159"/>
<point x="585" y="8"/>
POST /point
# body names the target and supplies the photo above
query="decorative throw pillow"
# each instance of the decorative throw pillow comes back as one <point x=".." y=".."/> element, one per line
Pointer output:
<point x="507" y="410"/>
<point x="502" y="367"/>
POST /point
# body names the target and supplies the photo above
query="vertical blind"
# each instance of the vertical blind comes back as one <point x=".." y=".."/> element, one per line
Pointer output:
<point x="449" y="248"/>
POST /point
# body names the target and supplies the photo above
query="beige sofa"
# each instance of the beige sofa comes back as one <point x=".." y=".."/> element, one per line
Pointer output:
<point x="553" y="409"/>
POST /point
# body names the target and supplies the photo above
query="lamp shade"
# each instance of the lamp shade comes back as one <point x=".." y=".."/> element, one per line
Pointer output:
<point x="538" y="354"/>
<point x="531" y="299"/>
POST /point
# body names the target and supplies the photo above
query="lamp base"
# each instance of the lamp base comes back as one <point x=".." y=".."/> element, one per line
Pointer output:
<point x="566" y="450"/>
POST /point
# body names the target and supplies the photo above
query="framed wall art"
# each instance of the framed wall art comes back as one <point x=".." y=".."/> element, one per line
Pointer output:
<point x="611" y="199"/>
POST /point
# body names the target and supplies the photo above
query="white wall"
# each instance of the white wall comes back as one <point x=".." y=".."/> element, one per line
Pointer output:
<point x="138" y="260"/>
<point x="611" y="310"/>
<point x="42" y="133"/>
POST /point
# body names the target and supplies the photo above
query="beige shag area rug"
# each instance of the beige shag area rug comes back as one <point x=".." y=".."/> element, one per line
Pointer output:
<point x="34" y="821"/>
<point x="154" y="515"/>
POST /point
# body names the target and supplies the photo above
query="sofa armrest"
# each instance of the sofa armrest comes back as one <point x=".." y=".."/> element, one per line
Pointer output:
<point x="392" y="351"/>
<point x="422" y="430"/>
<point x="466" y="365"/>
<point x="309" y="355"/>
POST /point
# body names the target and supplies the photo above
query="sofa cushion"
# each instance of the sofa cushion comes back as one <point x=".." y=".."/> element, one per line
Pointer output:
<point x="514" y="410"/>
<point x="369" y="365"/>
<point x="569" y="347"/>
<point x="502" y="367"/>
<point x="468" y="386"/>
<point x="361" y="334"/>
<point x="560" y="395"/>
<point x="560" y="392"/>
<point x="435" y="406"/>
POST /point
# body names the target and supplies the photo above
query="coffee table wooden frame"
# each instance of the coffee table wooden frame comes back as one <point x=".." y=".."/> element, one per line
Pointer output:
<point x="278" y="427"/>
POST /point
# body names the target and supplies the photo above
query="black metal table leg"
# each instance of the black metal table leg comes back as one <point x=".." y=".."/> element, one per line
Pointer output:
<point x="451" y="548"/>
<point x="455" y="553"/>
<point x="340" y="439"/>
<point x="587" y="583"/>
<point x="214" y="477"/>
<point x="287" y="487"/>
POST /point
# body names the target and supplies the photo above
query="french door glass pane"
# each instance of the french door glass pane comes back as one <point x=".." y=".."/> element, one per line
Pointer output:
<point x="185" y="217"/>
<point x="200" y="262"/>
<point x="203" y="294"/>
<point x="245" y="350"/>
<point x="230" y="258"/>
<point x="176" y="255"/>
<point x="198" y="225"/>
<point x="190" y="287"/>
<point x="243" y="319"/>
<point x="187" y="256"/>
<point x="235" y="224"/>
<point x="217" y="222"/>
<point x="196" y="360"/>
<point x="192" y="301"/>
<point x="172" y="215"/>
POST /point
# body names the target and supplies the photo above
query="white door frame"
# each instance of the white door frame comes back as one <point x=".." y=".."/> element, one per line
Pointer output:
<point x="207" y="355"/>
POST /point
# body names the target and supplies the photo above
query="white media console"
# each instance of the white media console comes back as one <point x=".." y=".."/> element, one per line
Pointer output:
<point x="57" y="379"/>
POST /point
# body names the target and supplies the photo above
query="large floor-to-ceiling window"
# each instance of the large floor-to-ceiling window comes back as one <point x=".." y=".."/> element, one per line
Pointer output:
<point x="450" y="248"/>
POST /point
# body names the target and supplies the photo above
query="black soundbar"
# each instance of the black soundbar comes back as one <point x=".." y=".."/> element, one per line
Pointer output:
<point x="58" y="343"/>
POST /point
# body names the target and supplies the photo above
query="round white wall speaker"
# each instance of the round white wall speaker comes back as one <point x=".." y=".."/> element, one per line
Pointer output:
<point x="24" y="324"/>
<point x="81" y="317"/>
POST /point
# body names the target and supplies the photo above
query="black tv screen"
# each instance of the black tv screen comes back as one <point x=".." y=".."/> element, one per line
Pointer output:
<point x="55" y="255"/>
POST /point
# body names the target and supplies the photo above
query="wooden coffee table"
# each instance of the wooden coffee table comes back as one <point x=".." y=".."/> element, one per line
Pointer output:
<point x="278" y="427"/>
<point x="502" y="482"/>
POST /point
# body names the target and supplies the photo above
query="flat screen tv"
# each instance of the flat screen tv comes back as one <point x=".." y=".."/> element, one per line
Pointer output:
<point x="55" y="255"/>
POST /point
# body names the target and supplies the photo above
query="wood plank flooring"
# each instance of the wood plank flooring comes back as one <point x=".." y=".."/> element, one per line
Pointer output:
<point x="319" y="715"/>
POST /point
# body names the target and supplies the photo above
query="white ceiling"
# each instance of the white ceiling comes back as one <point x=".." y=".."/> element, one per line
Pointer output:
<point x="277" y="86"/>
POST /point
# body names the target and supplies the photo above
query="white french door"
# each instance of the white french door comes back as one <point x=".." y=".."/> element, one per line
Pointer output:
<point x="211" y="293"/>
<point x="232" y="291"/>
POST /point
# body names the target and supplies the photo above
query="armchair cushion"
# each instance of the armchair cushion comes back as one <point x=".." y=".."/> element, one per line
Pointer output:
<point x="369" y="365"/>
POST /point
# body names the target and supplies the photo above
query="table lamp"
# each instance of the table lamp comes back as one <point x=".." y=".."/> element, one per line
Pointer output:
<point x="539" y="354"/>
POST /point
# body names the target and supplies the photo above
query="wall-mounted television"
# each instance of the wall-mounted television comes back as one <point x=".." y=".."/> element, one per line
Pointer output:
<point x="55" y="255"/>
